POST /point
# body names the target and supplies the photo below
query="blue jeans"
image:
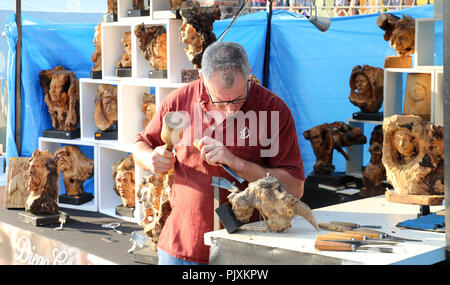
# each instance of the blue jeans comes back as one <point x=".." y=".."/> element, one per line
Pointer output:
<point x="166" y="259"/>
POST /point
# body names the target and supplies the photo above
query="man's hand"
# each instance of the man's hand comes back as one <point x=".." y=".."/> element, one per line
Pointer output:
<point x="214" y="152"/>
<point x="161" y="160"/>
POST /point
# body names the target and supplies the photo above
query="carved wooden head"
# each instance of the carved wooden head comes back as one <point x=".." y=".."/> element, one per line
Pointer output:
<point x="105" y="112"/>
<point x="96" y="56"/>
<point x="124" y="178"/>
<point x="418" y="95"/>
<point x="366" y="84"/>
<point x="400" y="32"/>
<point x="152" y="42"/>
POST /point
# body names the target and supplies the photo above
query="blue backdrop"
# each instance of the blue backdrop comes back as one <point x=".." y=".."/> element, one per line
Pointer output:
<point x="309" y="70"/>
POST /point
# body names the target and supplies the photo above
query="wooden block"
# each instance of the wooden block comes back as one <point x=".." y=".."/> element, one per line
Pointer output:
<point x="398" y="61"/>
<point x="16" y="190"/>
<point x="431" y="200"/>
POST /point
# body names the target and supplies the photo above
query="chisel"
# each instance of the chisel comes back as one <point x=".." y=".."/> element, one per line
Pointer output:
<point x="352" y="240"/>
<point x="386" y="236"/>
<point x="226" y="168"/>
<point x="334" y="228"/>
<point x="353" y="225"/>
<point x="341" y="246"/>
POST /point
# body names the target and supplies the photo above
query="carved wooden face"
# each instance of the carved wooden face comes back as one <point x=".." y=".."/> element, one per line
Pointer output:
<point x="403" y="142"/>
<point x="362" y="84"/>
<point x="126" y="42"/>
<point x="59" y="87"/>
<point x="419" y="92"/>
<point x="125" y="187"/>
<point x="403" y="41"/>
<point x="37" y="173"/>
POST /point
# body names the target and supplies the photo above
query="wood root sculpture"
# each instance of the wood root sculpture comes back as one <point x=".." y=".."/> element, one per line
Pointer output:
<point x="16" y="187"/>
<point x="366" y="88"/>
<point x="326" y="138"/>
<point x="42" y="184"/>
<point x="152" y="41"/>
<point x="112" y="7"/>
<point x="123" y="175"/>
<point x="125" y="59"/>
<point x="375" y="173"/>
<point x="96" y="56"/>
<point x="105" y="111"/>
<point x="60" y="87"/>
<point x="413" y="155"/>
<point x="148" y="108"/>
<point x="154" y="194"/>
<point x="196" y="30"/>
<point x="400" y="32"/>
<point x="274" y="203"/>
<point x="75" y="167"/>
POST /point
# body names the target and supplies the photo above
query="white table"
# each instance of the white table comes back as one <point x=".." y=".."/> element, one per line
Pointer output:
<point x="252" y="245"/>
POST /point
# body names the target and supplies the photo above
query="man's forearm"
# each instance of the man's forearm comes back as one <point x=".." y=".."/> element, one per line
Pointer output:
<point x="251" y="172"/>
<point x="142" y="155"/>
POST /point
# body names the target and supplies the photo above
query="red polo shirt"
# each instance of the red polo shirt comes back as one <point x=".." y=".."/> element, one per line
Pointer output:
<point x="247" y="137"/>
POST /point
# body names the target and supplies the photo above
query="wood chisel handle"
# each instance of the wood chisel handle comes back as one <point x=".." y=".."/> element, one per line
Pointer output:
<point x="333" y="246"/>
<point x="348" y="235"/>
<point x="334" y="236"/>
<point x="365" y="230"/>
<point x="334" y="228"/>
<point x="369" y="235"/>
<point x="345" y="224"/>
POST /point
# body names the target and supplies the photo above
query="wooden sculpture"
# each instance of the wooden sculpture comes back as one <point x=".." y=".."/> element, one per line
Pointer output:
<point x="152" y="41"/>
<point x="16" y="188"/>
<point x="375" y="173"/>
<point x="125" y="60"/>
<point x="123" y="175"/>
<point x="154" y="194"/>
<point x="105" y="111"/>
<point x="413" y="155"/>
<point x="366" y="84"/>
<point x="400" y="32"/>
<point x="96" y="57"/>
<point x="60" y="87"/>
<point x="418" y="95"/>
<point x="175" y="4"/>
<point x="196" y="30"/>
<point x="75" y="168"/>
<point x="42" y="183"/>
<point x="148" y="108"/>
<point x="326" y="138"/>
<point x="274" y="203"/>
<point x="112" y="7"/>
<point x="138" y="4"/>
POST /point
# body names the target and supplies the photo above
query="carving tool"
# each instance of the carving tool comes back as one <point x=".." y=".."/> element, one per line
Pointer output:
<point x="341" y="246"/>
<point x="227" y="169"/>
<point x="334" y="228"/>
<point x="352" y="240"/>
<point x="353" y="225"/>
<point x="387" y="236"/>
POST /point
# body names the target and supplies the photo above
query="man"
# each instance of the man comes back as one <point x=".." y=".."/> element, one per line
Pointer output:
<point x="240" y="124"/>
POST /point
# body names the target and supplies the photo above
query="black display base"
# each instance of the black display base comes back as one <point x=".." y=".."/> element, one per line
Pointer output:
<point x="157" y="74"/>
<point x="52" y="133"/>
<point x="378" y="116"/>
<point x="166" y="14"/>
<point x="227" y="217"/>
<point x="38" y="220"/>
<point x="106" y="135"/>
<point x="333" y="179"/>
<point x="123" y="71"/>
<point x="138" y="13"/>
<point x="110" y="18"/>
<point x="96" y="74"/>
<point x="75" y="200"/>
<point x="124" y="211"/>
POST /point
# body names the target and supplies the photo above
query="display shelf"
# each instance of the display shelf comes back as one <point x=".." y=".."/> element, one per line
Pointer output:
<point x="439" y="98"/>
<point x="176" y="56"/>
<point x="394" y="90"/>
<point x="123" y="6"/>
<point x="425" y="39"/>
<point x="353" y="166"/>
<point x="112" y="48"/>
<point x="108" y="199"/>
<point x="52" y="144"/>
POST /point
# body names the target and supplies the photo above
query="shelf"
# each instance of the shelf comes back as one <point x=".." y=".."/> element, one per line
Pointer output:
<point x="112" y="48"/>
<point x="425" y="37"/>
<point x="90" y="150"/>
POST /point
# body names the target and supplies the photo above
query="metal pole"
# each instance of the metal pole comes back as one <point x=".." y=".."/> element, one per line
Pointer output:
<point x="267" y="50"/>
<point x="446" y="93"/>
<point x="18" y="75"/>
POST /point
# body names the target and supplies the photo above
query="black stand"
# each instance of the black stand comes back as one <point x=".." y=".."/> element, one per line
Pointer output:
<point x="424" y="210"/>
<point x="75" y="200"/>
<point x="106" y="135"/>
<point x="52" y="133"/>
<point x="157" y="74"/>
<point x="138" y="13"/>
<point x="123" y="71"/>
<point x="378" y="116"/>
<point x="96" y="74"/>
<point x="227" y="217"/>
<point x="110" y="18"/>
<point x="38" y="220"/>
<point x="124" y="211"/>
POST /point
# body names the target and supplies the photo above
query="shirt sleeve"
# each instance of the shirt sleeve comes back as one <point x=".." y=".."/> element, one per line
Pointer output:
<point x="288" y="156"/>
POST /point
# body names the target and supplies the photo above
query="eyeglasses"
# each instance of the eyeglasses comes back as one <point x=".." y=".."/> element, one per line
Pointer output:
<point x="235" y="101"/>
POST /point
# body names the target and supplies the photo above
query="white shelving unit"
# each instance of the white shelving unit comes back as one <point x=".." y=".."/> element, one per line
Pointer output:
<point x="52" y="145"/>
<point x="130" y="91"/>
<point x="394" y="87"/>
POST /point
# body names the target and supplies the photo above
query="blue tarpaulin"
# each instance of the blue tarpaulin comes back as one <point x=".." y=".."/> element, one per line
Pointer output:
<point x="309" y="70"/>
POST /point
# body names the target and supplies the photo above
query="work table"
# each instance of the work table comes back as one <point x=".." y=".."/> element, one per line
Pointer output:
<point x="251" y="244"/>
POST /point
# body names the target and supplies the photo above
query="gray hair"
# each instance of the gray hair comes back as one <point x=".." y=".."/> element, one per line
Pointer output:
<point x="227" y="57"/>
